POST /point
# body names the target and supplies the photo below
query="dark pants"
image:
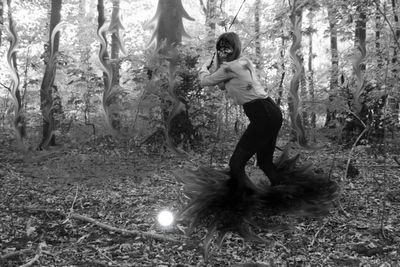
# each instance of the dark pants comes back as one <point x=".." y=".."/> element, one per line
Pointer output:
<point x="260" y="139"/>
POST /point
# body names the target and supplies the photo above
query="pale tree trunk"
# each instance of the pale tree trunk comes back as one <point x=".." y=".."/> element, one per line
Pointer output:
<point x="282" y="68"/>
<point x="310" y="68"/>
<point x="378" y="29"/>
<point x="298" y="131"/>
<point x="100" y="21"/>
<point x="209" y="10"/>
<point x="303" y="94"/>
<point x="1" y="20"/>
<point x="258" y="34"/>
<point x="19" y="121"/>
<point x="395" y="59"/>
<point x="395" y="53"/>
<point x="115" y="50"/>
<point x="359" y="65"/>
<point x="47" y="86"/>
<point x="334" y="75"/>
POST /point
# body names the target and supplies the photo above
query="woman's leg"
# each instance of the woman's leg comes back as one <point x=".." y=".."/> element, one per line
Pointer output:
<point x="244" y="150"/>
<point x="265" y="158"/>
<point x="265" y="152"/>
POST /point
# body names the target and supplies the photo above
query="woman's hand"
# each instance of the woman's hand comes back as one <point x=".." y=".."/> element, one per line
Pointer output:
<point x="207" y="65"/>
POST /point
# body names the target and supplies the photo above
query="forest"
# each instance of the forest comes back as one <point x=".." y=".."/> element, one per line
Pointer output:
<point x="101" y="108"/>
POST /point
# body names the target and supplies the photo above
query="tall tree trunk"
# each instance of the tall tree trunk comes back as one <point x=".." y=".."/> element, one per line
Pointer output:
<point x="359" y="64"/>
<point x="298" y="132"/>
<point x="395" y="53"/>
<point x="210" y="11"/>
<point x="396" y="58"/>
<point x="100" y="21"/>
<point x="303" y="94"/>
<point x="258" y="34"/>
<point x="310" y="68"/>
<point x="19" y="121"/>
<point x="334" y="75"/>
<point x="378" y="29"/>
<point x="1" y="20"/>
<point x="360" y="31"/>
<point x="47" y="85"/>
<point x="282" y="69"/>
<point x="115" y="48"/>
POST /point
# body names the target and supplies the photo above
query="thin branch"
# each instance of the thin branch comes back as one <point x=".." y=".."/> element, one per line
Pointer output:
<point x="203" y="7"/>
<point x="5" y="86"/>
<point x="317" y="233"/>
<point x="37" y="256"/>
<point x="388" y="22"/>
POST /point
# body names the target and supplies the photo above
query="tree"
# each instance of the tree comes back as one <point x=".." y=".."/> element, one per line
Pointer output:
<point x="19" y="120"/>
<point x="116" y="41"/>
<point x="378" y="32"/>
<point x="47" y="88"/>
<point x="1" y="19"/>
<point x="310" y="32"/>
<point x="298" y="70"/>
<point x="257" y="47"/>
<point x="210" y="11"/>
<point x="334" y="71"/>
<point x="168" y="31"/>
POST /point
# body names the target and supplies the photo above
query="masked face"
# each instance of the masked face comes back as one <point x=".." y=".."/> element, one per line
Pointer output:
<point x="224" y="50"/>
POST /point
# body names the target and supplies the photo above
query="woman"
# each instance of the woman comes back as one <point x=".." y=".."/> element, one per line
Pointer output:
<point x="239" y="79"/>
<point x="223" y="205"/>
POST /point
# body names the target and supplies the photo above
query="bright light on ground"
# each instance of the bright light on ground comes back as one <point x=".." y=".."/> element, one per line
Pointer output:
<point x="165" y="218"/>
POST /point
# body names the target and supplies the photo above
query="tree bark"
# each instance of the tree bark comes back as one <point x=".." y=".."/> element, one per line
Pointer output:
<point x="210" y="12"/>
<point x="19" y="121"/>
<point x="310" y="68"/>
<point x="395" y="53"/>
<point x="334" y="75"/>
<point x="46" y="87"/>
<point x="378" y="29"/>
<point x="282" y="69"/>
<point x="298" y="132"/>
<point x="257" y="33"/>
<point x="1" y="20"/>
<point x="115" y="49"/>
<point x="100" y="21"/>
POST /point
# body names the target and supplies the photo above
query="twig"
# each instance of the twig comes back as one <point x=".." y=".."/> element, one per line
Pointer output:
<point x="317" y="233"/>
<point x="102" y="225"/>
<point x="73" y="203"/>
<point x="376" y="166"/>
<point x="388" y="22"/>
<point x="103" y="254"/>
<point x="5" y="86"/>
<point x="37" y="256"/>
<point x="397" y="160"/>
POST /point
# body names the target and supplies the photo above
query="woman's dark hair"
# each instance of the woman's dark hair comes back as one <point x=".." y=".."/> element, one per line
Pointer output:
<point x="231" y="39"/>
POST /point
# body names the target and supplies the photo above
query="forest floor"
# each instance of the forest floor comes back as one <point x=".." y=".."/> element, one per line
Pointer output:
<point x="96" y="205"/>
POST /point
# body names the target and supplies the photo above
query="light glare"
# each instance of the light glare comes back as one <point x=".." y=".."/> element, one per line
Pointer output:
<point x="165" y="218"/>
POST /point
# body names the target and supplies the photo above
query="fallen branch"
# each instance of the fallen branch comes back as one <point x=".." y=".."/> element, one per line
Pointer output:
<point x="397" y="160"/>
<point x="100" y="224"/>
<point x="37" y="256"/>
<point x="317" y="233"/>
<point x="376" y="166"/>
<point x="16" y="253"/>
